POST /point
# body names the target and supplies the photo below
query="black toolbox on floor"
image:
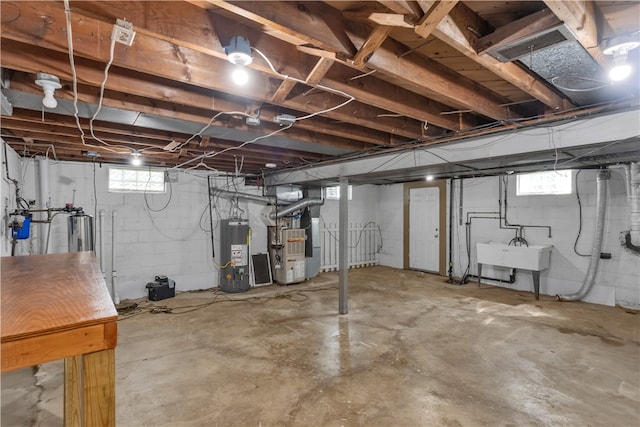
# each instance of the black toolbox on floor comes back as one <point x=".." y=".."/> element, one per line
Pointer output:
<point x="161" y="288"/>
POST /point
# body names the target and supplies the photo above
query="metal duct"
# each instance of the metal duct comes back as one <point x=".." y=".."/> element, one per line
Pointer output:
<point x="295" y="206"/>
<point x="596" y="247"/>
<point x="245" y="196"/>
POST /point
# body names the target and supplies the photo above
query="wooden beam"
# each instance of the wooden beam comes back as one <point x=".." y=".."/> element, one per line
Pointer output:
<point x="158" y="57"/>
<point x="281" y="93"/>
<point x="453" y="30"/>
<point x="442" y="82"/>
<point x="319" y="70"/>
<point x="433" y="16"/>
<point x="516" y="30"/>
<point x="395" y="99"/>
<point x="274" y="49"/>
<point x="388" y="19"/>
<point x="371" y="44"/>
<point x="581" y="17"/>
<point x="305" y="21"/>
<point x="402" y="7"/>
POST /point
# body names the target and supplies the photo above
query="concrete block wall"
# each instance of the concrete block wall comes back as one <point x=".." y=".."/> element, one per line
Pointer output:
<point x="15" y="167"/>
<point x="618" y="278"/>
<point x="362" y="206"/>
<point x="390" y="218"/>
<point x="174" y="242"/>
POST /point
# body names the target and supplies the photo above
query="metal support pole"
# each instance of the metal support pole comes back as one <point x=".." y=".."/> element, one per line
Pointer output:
<point x="343" y="262"/>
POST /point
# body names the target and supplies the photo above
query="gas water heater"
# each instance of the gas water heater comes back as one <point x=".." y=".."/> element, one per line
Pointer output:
<point x="234" y="255"/>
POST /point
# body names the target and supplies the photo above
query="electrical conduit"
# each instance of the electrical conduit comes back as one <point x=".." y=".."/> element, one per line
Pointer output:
<point x="596" y="247"/>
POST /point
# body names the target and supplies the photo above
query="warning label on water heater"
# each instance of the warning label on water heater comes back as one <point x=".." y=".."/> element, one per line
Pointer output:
<point x="239" y="254"/>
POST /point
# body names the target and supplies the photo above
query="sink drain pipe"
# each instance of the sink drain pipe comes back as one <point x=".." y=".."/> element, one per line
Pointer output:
<point x="596" y="247"/>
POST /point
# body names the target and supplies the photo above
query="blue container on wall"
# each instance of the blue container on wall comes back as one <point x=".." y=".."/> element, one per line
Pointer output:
<point x="22" y="232"/>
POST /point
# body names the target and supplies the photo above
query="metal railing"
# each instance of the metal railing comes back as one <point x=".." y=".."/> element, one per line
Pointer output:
<point x="364" y="245"/>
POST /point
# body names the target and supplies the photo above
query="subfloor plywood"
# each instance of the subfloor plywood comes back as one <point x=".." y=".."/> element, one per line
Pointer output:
<point x="412" y="351"/>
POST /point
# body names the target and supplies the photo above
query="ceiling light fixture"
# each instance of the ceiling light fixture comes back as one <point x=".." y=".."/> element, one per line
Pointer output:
<point x="239" y="53"/>
<point x="136" y="158"/>
<point x="619" y="47"/>
<point x="49" y="84"/>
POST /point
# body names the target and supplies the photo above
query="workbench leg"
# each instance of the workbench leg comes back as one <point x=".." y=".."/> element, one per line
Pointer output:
<point x="99" y="371"/>
<point x="479" y="273"/>
<point x="536" y="283"/>
<point x="73" y="391"/>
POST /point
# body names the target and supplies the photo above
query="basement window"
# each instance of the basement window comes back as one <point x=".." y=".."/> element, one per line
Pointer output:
<point x="333" y="193"/>
<point x="136" y="181"/>
<point x="544" y="183"/>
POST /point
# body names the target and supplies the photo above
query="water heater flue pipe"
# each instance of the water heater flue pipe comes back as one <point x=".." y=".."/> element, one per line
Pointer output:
<point x="295" y="206"/>
<point x="245" y="196"/>
<point x="596" y="246"/>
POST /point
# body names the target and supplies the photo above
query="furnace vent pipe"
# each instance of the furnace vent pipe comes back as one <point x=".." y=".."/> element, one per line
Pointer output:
<point x="300" y="204"/>
<point x="596" y="247"/>
<point x="245" y="196"/>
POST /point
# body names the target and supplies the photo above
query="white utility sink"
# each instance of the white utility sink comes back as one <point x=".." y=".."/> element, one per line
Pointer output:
<point x="532" y="257"/>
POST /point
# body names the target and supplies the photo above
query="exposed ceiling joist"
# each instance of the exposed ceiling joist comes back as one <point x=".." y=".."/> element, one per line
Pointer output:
<point x="354" y="78"/>
<point x="582" y="19"/>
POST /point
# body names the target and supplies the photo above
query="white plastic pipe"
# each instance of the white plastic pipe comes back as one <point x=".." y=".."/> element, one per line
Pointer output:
<point x="43" y="200"/>
<point x="103" y="267"/>
<point x="114" y="271"/>
<point x="596" y="246"/>
<point x="634" y="202"/>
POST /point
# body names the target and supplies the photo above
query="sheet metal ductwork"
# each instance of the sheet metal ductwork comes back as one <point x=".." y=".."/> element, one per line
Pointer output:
<point x="295" y="206"/>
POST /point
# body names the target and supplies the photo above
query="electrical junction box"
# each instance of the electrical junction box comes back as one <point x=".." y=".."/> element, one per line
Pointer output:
<point x="162" y="288"/>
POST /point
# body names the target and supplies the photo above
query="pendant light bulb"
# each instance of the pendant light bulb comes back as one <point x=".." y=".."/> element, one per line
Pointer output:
<point x="49" y="83"/>
<point x="240" y="75"/>
<point x="49" y="100"/>
<point x="136" y="159"/>
<point x="619" y="48"/>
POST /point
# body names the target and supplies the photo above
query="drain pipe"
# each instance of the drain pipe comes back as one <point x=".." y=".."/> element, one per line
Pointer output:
<point x="596" y="246"/>
<point x="114" y="271"/>
<point x="103" y="267"/>
<point x="634" y="203"/>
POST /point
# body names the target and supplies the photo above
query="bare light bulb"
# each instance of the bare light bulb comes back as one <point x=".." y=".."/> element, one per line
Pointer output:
<point x="429" y="178"/>
<point x="136" y="159"/>
<point x="49" y="101"/>
<point x="49" y="83"/>
<point x="620" y="72"/>
<point x="240" y="76"/>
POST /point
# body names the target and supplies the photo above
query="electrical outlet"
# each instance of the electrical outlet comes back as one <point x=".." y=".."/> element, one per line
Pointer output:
<point x="123" y="32"/>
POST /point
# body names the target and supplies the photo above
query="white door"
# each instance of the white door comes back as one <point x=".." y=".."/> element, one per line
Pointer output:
<point x="424" y="235"/>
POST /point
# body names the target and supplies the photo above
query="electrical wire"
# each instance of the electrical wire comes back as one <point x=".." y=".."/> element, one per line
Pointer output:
<point x="76" y="112"/>
<point x="146" y="201"/>
<point x="297" y="295"/>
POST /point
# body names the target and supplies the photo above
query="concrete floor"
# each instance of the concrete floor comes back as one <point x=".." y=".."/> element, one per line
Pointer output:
<point x="413" y="351"/>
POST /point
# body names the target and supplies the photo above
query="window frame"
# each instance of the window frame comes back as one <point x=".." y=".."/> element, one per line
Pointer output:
<point x="337" y="189"/>
<point x="137" y="182"/>
<point x="562" y="189"/>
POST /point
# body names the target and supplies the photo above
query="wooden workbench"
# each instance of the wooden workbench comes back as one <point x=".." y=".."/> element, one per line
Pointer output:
<point x="58" y="307"/>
